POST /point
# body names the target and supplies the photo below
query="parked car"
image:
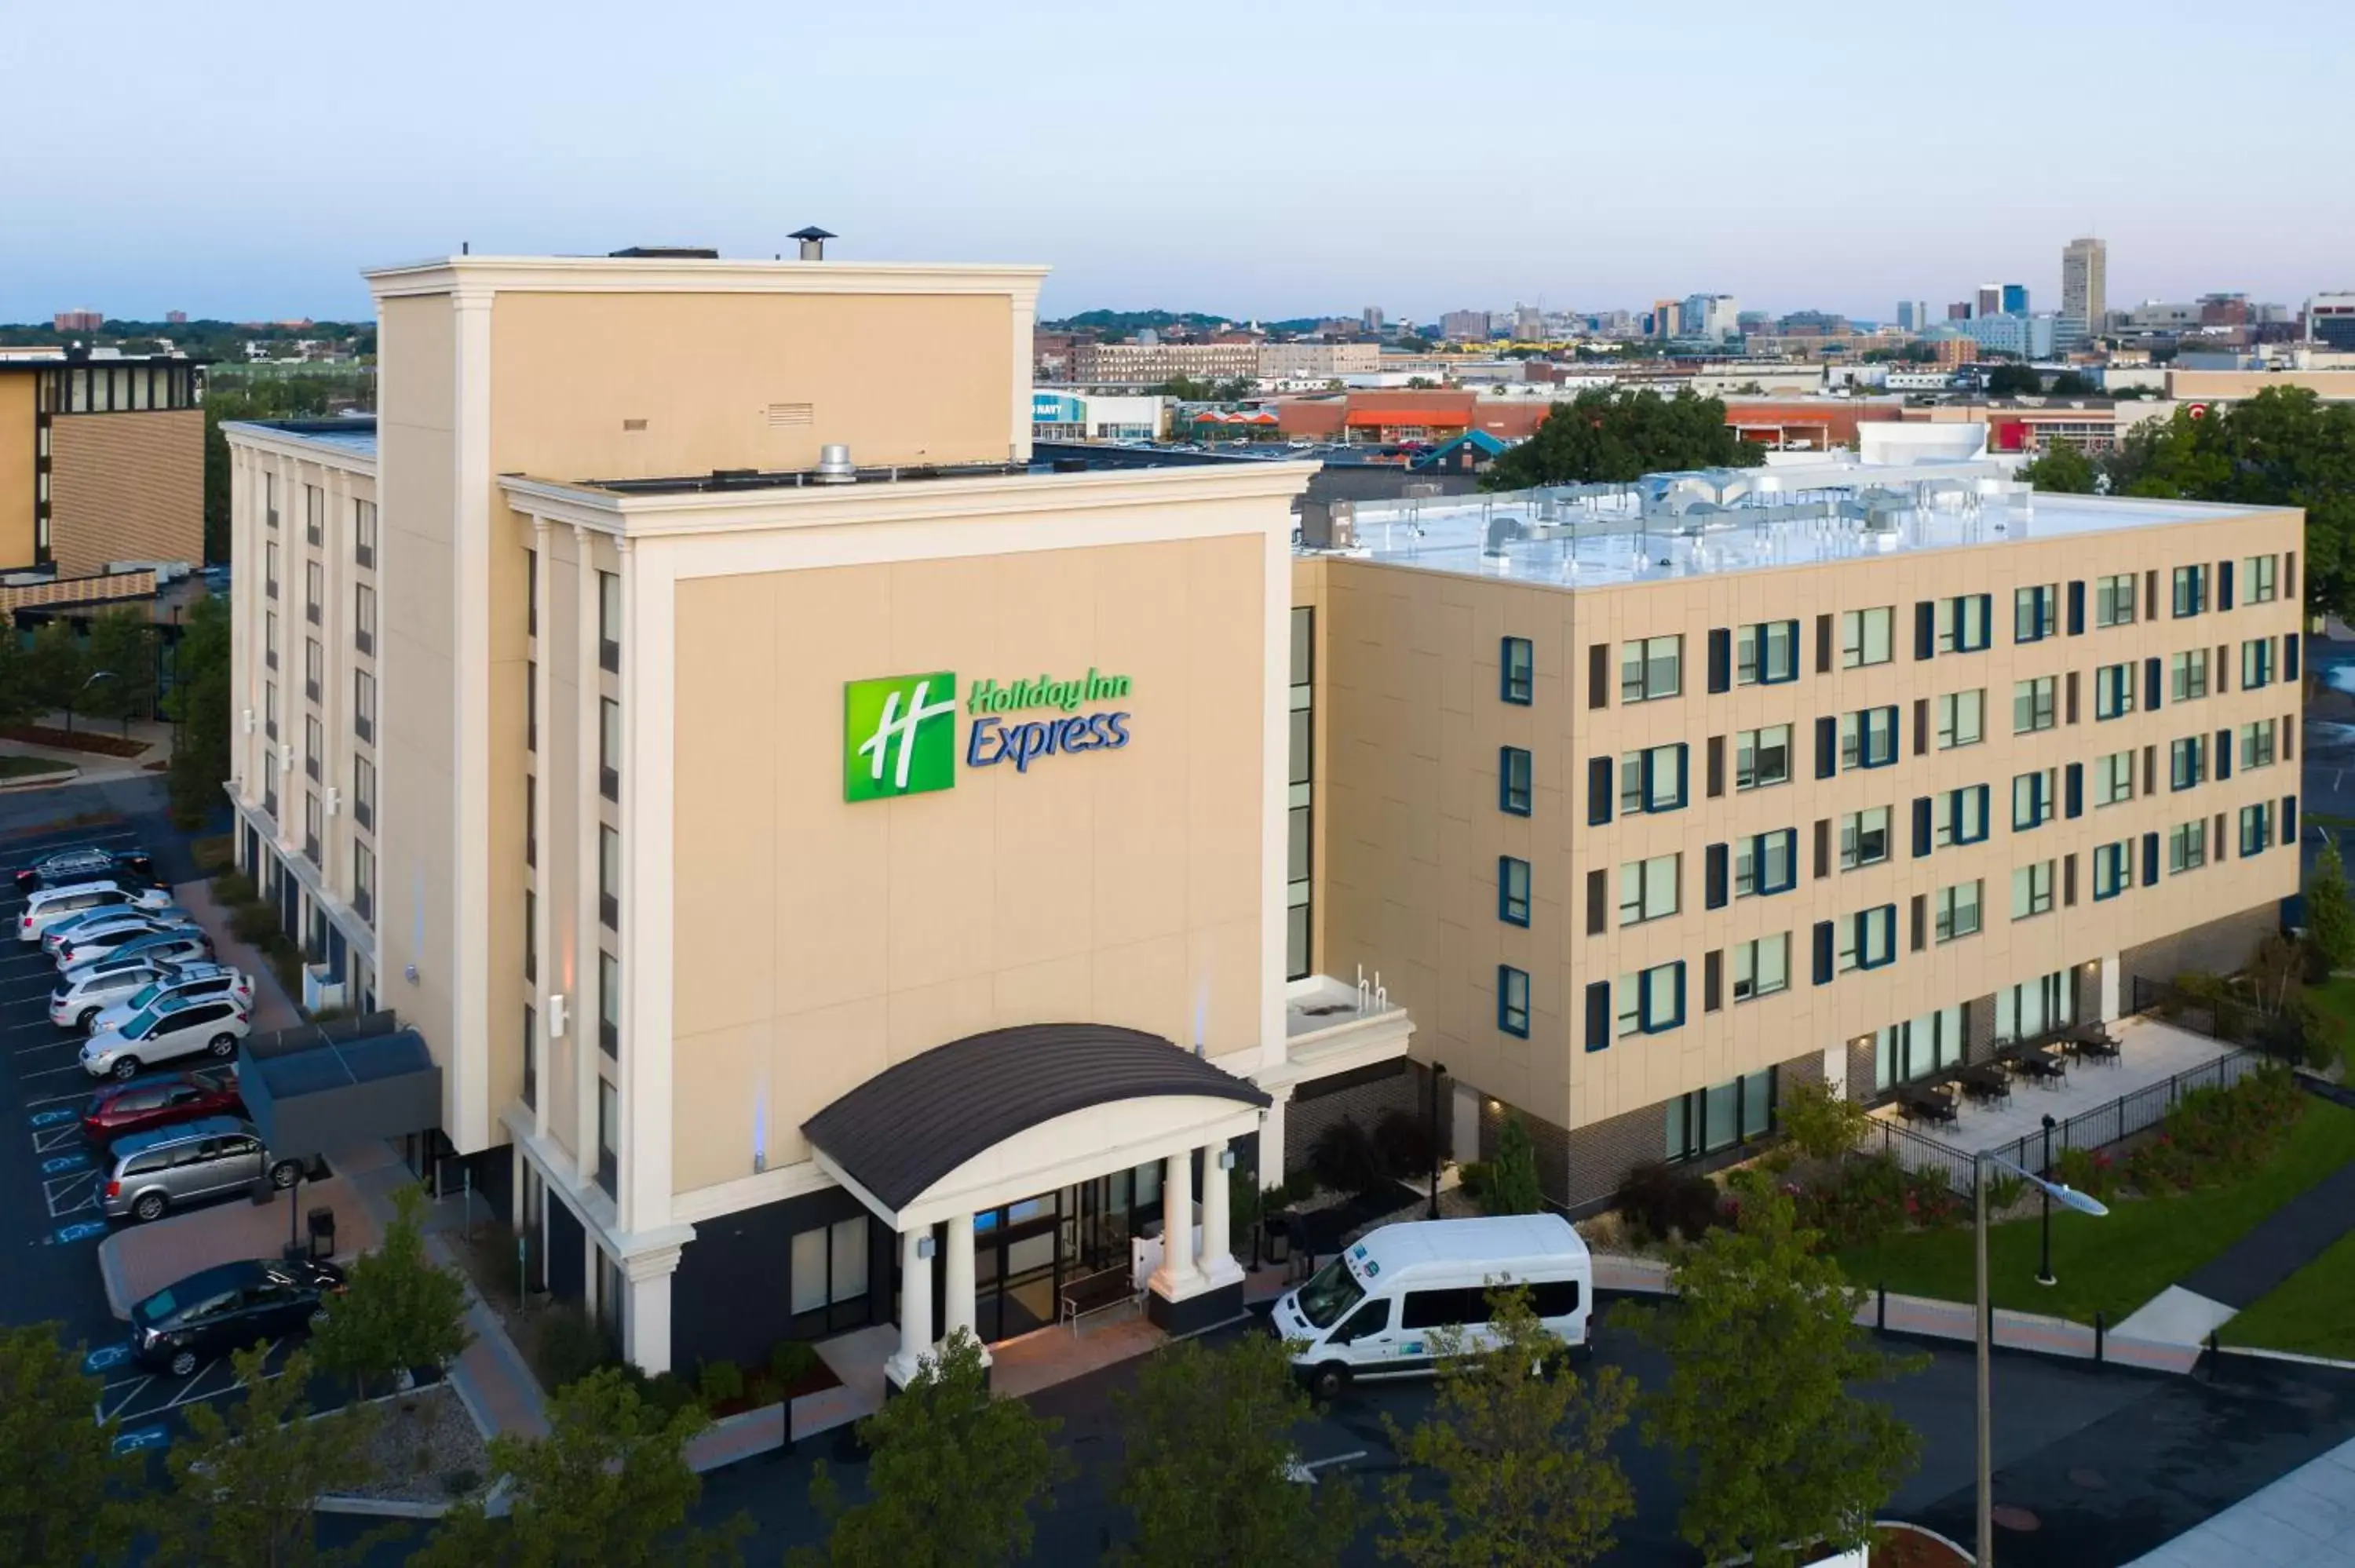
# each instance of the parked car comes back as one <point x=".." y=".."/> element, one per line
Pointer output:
<point x="198" y="1026"/>
<point x="50" y="905"/>
<point x="83" y="993"/>
<point x="82" y="862"/>
<point x="229" y="1308"/>
<point x="99" y="937"/>
<point x="152" y="1172"/>
<point x="91" y="923"/>
<point x="187" y="981"/>
<point x="165" y="945"/>
<point x="166" y="1100"/>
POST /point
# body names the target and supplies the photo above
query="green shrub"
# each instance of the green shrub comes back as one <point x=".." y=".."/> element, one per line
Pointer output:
<point x="1344" y="1158"/>
<point x="1301" y="1185"/>
<point x="669" y="1394"/>
<point x="232" y="889"/>
<point x="571" y="1346"/>
<point x="2087" y="1169"/>
<point x="255" y="924"/>
<point x="1473" y="1177"/>
<point x="458" y="1483"/>
<point x="1864" y="1199"/>
<point x="1402" y="1142"/>
<point x="1663" y="1200"/>
<point x="1821" y="1124"/>
<point x="2003" y="1191"/>
<point x="791" y="1361"/>
<point x="721" y="1382"/>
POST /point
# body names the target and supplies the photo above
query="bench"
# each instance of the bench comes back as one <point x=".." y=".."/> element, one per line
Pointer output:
<point x="1093" y="1293"/>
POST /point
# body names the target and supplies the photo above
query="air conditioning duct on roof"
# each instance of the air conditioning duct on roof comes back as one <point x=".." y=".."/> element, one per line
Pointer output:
<point x="834" y="465"/>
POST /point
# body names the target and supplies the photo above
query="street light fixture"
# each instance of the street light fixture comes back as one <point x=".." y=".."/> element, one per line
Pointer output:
<point x="2085" y="1204"/>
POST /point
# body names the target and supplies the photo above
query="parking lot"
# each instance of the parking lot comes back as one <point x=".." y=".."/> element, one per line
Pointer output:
<point x="50" y="1222"/>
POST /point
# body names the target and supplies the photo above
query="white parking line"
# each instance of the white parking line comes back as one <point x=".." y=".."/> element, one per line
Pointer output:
<point x="59" y="1193"/>
<point x="36" y="1023"/>
<point x="55" y="1100"/>
<point x="107" y="1412"/>
<point x="69" y="1067"/>
<point x="56" y="1140"/>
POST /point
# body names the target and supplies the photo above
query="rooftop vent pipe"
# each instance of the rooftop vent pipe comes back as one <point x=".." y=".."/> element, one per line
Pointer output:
<point x="813" y="241"/>
<point x="834" y="465"/>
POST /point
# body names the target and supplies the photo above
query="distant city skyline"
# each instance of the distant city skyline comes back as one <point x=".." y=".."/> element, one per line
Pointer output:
<point x="1157" y="167"/>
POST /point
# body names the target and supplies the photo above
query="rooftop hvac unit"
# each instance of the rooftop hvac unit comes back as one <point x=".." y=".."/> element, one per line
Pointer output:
<point x="1328" y="524"/>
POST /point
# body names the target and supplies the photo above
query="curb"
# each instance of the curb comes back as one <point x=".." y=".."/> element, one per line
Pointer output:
<point x="29" y="781"/>
<point x="376" y="1507"/>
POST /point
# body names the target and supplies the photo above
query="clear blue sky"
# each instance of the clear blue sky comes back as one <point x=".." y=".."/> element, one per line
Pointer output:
<point x="247" y="157"/>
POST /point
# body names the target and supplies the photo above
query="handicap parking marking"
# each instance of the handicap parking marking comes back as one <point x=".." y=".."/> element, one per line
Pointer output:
<point x="49" y="1141"/>
<point x="105" y="1356"/>
<point x="58" y="1164"/>
<point x="70" y="1194"/>
<point x="50" y="1117"/>
<point x="80" y="1231"/>
<point x="145" y="1437"/>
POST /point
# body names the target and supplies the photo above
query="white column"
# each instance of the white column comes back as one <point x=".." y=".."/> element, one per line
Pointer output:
<point x="1216" y="1263"/>
<point x="1271" y="1139"/>
<point x="915" y="1306"/>
<point x="1177" y="1276"/>
<point x="958" y="1308"/>
<point x="549" y="965"/>
<point x="588" y="933"/>
<point x="2111" y="981"/>
<point x="645" y="1310"/>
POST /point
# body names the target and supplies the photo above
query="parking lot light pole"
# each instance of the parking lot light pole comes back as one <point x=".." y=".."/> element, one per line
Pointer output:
<point x="2068" y="1195"/>
<point x="2044" y="1252"/>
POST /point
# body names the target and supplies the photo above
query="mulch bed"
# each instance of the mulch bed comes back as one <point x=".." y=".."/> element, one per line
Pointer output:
<point x="73" y="740"/>
<point x="1910" y="1549"/>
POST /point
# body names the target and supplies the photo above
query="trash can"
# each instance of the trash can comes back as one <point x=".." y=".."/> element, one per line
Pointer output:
<point x="1279" y="1238"/>
<point x="323" y="1232"/>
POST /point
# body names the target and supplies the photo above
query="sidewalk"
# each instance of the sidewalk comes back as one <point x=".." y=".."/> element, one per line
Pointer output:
<point x="2306" y="1517"/>
<point x="273" y="1008"/>
<point x="95" y="767"/>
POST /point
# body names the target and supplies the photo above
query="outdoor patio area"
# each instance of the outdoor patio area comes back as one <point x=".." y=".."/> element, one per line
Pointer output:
<point x="2094" y="1104"/>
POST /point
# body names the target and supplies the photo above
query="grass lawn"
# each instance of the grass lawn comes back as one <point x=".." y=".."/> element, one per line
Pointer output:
<point x="12" y="767"/>
<point x="2335" y="1000"/>
<point x="2114" y="1263"/>
<point x="2313" y="1311"/>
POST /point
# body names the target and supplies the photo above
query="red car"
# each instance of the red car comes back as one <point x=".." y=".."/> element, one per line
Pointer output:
<point x="159" y="1101"/>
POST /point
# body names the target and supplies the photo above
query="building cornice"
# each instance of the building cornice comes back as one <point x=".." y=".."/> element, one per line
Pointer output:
<point x="472" y="275"/>
<point x="286" y="443"/>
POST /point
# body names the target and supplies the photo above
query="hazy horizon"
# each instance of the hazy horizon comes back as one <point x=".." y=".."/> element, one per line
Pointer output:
<point x="1275" y="166"/>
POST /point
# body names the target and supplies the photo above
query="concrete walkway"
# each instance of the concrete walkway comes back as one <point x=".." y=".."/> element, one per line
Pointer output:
<point x="2306" y="1517"/>
<point x="95" y="767"/>
<point x="273" y="1008"/>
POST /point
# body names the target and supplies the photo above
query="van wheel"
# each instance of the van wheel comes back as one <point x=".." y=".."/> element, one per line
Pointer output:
<point x="183" y="1363"/>
<point x="125" y="1069"/>
<point x="1328" y="1380"/>
<point x="282" y="1174"/>
<point x="83" y="1022"/>
<point x="150" y="1206"/>
<point x="223" y="1047"/>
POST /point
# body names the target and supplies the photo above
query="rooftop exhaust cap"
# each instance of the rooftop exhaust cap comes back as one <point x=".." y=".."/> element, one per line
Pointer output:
<point x="834" y="465"/>
<point x="813" y="241"/>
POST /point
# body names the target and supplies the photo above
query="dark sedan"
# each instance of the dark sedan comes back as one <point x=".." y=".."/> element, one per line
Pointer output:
<point x="230" y="1307"/>
<point x="61" y="868"/>
<point x="160" y="1101"/>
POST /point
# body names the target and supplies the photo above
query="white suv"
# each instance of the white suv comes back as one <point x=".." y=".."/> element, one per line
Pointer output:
<point x="52" y="905"/>
<point x="189" y="982"/>
<point x="209" y="1026"/>
<point x="86" y="992"/>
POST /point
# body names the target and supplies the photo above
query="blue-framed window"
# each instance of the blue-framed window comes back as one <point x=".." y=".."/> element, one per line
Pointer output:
<point x="1518" y="676"/>
<point x="1961" y="624"/>
<point x="2113" y="690"/>
<point x="1598" y="1016"/>
<point x="2031" y="800"/>
<point x="1653" y="780"/>
<point x="1651" y="1001"/>
<point x="2256" y="829"/>
<point x="1766" y="863"/>
<point x="2031" y="612"/>
<point x="2186" y="762"/>
<point x="2190" y="591"/>
<point x="2113" y="869"/>
<point x="1962" y="815"/>
<point x="1867" y="738"/>
<point x="1766" y="653"/>
<point x="1516" y="783"/>
<point x="2257" y="664"/>
<point x="1512" y="890"/>
<point x="1513" y="1001"/>
<point x="1866" y="940"/>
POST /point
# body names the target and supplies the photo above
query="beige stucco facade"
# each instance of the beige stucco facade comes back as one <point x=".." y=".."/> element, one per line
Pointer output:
<point x="19" y="465"/>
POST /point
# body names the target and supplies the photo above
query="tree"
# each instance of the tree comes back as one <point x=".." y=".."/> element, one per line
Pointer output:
<point x="18" y="703"/>
<point x="56" y="668"/>
<point x="65" y="1498"/>
<point x="954" y="1475"/>
<point x="121" y="647"/>
<point x="1820" y="1123"/>
<point x="199" y="705"/>
<point x="2064" y="469"/>
<point x="2013" y="381"/>
<point x="1210" y="1450"/>
<point x="609" y="1487"/>
<point x="245" y="1479"/>
<point x="398" y="1310"/>
<point x="1607" y="435"/>
<point x="2070" y="384"/>
<point x="1774" y="1451"/>
<point x="1522" y="1448"/>
<point x="1512" y="1184"/>
<point x="2329" y="913"/>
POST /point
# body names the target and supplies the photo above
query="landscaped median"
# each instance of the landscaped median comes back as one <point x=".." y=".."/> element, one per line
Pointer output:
<point x="2312" y="1313"/>
<point x="2156" y="1233"/>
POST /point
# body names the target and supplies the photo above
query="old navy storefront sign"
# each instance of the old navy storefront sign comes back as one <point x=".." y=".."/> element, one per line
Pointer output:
<point x="898" y="732"/>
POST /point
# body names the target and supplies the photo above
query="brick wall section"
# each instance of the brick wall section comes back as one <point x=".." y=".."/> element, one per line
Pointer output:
<point x="1365" y="1104"/>
<point x="126" y="487"/>
<point x="1601" y="1155"/>
<point x="107" y="586"/>
<point x="1860" y="1055"/>
<point x="1553" y="1145"/>
<point x="1978" y="1031"/>
<point x="2219" y="946"/>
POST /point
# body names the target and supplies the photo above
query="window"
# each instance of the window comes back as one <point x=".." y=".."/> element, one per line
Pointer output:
<point x="314" y="591"/>
<point x="363" y="705"/>
<point x="315" y="665"/>
<point x="1868" y="940"/>
<point x="1652" y="1002"/>
<point x="2039" y="1008"/>
<point x="2031" y="612"/>
<point x="1762" y="967"/>
<point x="1300" y="817"/>
<point x="270" y="638"/>
<point x="609" y="1003"/>
<point x="609" y="620"/>
<point x="609" y="877"/>
<point x="363" y="792"/>
<point x="2187" y="675"/>
<point x="2031" y="890"/>
<point x="270" y="568"/>
<point x="1651" y="668"/>
<point x="2190" y="591"/>
<point x="1868" y="738"/>
<point x="2257" y="582"/>
<point x="1519" y="678"/>
<point x="364" y="617"/>
<point x="609" y="750"/>
<point x="1962" y="816"/>
<point x="2186" y="846"/>
<point x="531" y="704"/>
<point x="2113" y="778"/>
<point x="1704" y="1121"/>
<point x="310" y="828"/>
<point x="1648" y="888"/>
<point x="1761" y="758"/>
<point x="608" y="1136"/>
<point x="530" y="1057"/>
<point x="269" y="710"/>
<point x="2113" y="869"/>
<point x="1864" y="838"/>
<point x="315" y="514"/>
<point x="1958" y="910"/>
<point x="530" y="935"/>
<point x="363" y="532"/>
<point x="1962" y="719"/>
<point x="1919" y="1047"/>
<point x="1513" y="1001"/>
<point x="269" y="498"/>
<point x="530" y="821"/>
<point x="829" y="1265"/>
<point x="1653" y="780"/>
<point x="1514" y="783"/>
<point x="2256" y="829"/>
<point x="1766" y="653"/>
<point x="1962" y="623"/>
<point x="2031" y="800"/>
<point x="531" y="593"/>
<point x="2114" y="600"/>
<point x="2186" y="763"/>
<point x="1766" y="863"/>
<point x="1512" y="890"/>
<point x="2032" y="704"/>
<point x="2257" y="664"/>
<point x="2257" y="739"/>
<point x="313" y="746"/>
<point x="1865" y="636"/>
<point x="2113" y="690"/>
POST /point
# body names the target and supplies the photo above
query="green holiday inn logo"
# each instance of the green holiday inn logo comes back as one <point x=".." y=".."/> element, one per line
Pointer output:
<point x="899" y="735"/>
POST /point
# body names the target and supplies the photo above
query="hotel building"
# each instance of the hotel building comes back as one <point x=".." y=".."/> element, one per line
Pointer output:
<point x="845" y="875"/>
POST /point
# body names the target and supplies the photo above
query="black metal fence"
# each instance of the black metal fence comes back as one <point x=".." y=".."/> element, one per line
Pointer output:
<point x="2222" y="1018"/>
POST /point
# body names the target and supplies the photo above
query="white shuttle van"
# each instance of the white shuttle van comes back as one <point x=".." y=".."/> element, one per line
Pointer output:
<point x="1369" y="1313"/>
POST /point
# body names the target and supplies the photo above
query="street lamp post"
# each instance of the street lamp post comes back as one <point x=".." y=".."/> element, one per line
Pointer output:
<point x="1438" y="1069"/>
<point x="2044" y="1251"/>
<point x="2072" y="1198"/>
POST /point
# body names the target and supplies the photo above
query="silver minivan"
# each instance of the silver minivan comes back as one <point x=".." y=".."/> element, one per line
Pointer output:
<point x="52" y="905"/>
<point x="150" y="1172"/>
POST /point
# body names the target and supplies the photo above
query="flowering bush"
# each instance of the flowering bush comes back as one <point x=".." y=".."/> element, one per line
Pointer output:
<point x="2087" y="1169"/>
<point x="1863" y="1199"/>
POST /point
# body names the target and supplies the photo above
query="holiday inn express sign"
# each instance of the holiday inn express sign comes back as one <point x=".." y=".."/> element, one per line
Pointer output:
<point x="898" y="732"/>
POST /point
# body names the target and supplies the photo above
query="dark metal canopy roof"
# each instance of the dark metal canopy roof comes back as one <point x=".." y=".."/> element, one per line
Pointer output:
<point x="321" y="1087"/>
<point x="906" y="1127"/>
